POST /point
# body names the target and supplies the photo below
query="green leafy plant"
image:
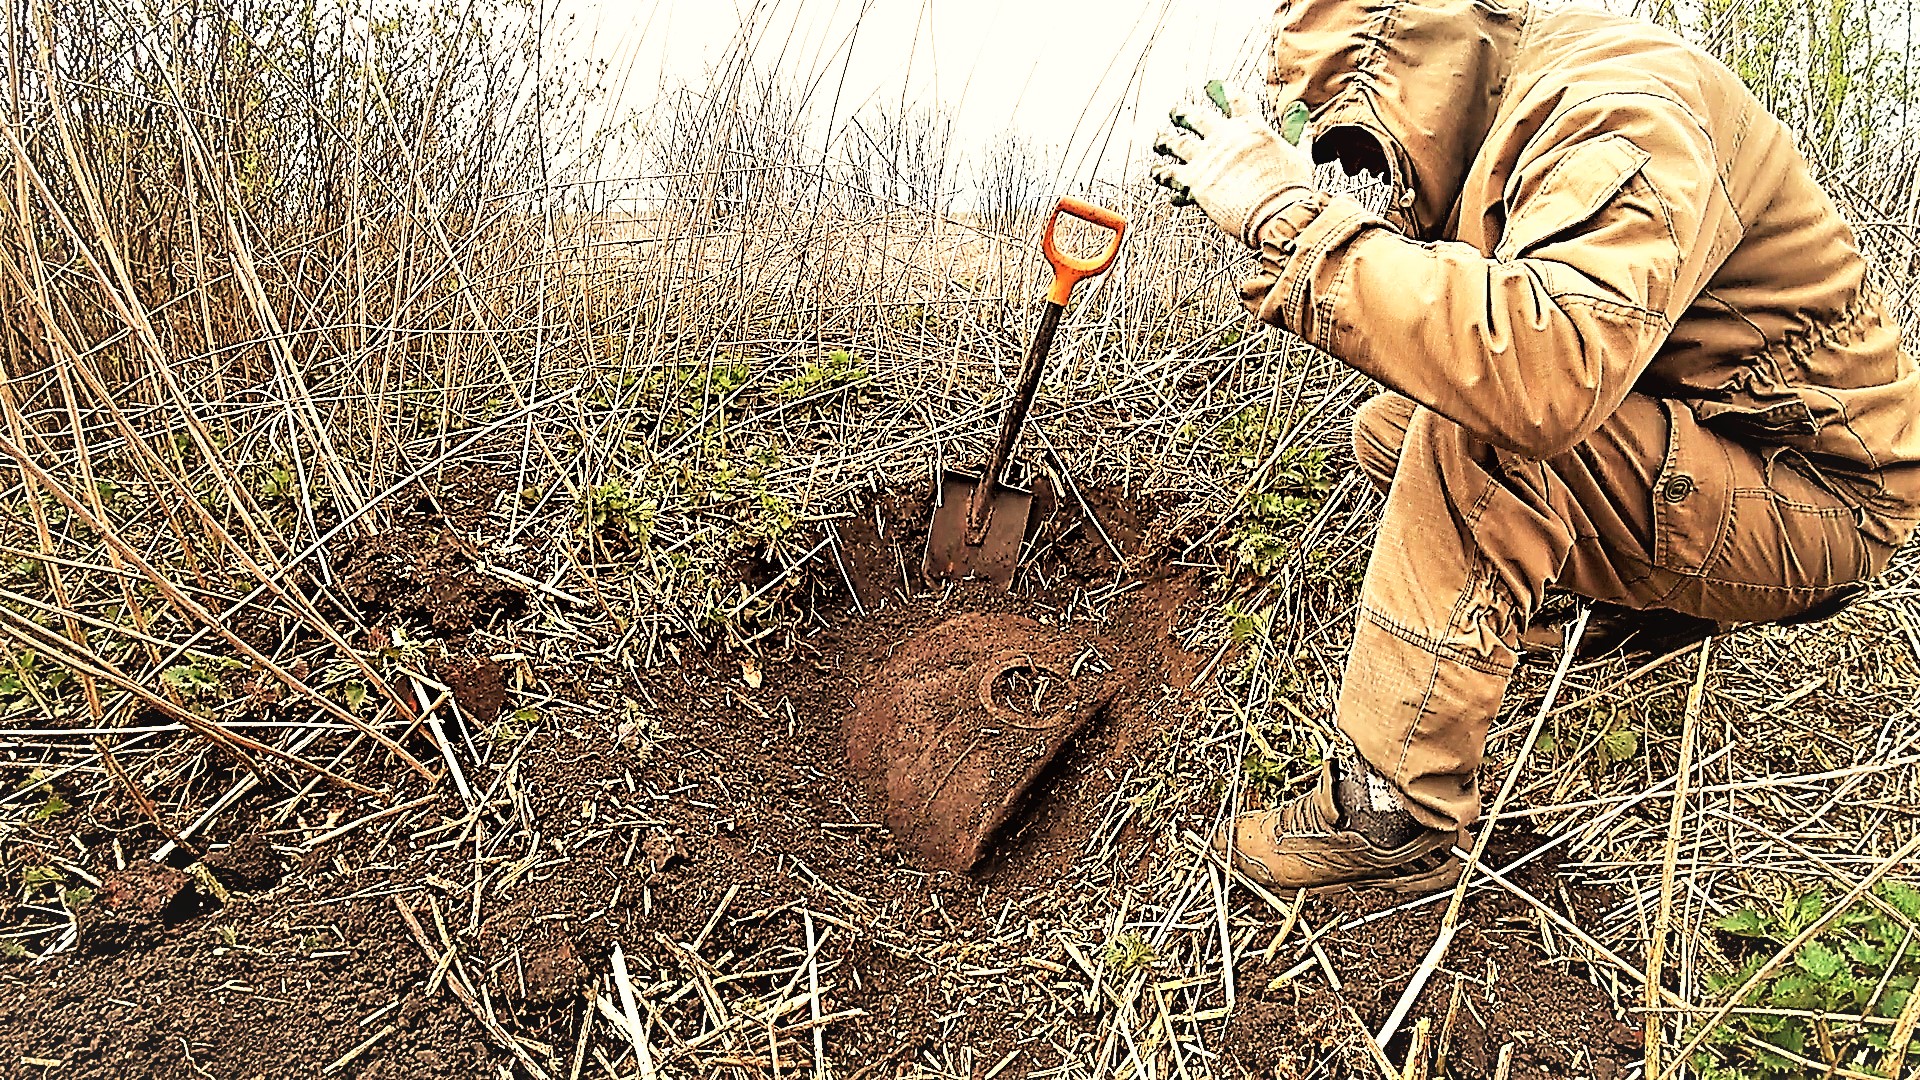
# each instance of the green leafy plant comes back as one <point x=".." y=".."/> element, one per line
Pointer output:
<point x="28" y="684"/>
<point x="278" y="485"/>
<point x="1129" y="952"/>
<point x="200" y="679"/>
<point x="696" y="394"/>
<point x="37" y="878"/>
<point x="1864" y="964"/>
<point x="514" y="726"/>
<point x="1262" y="536"/>
<point x="1244" y="438"/>
<point x="1266" y="773"/>
<point x="1613" y="742"/>
<point x="837" y="369"/>
<point x="54" y="805"/>
<point x="615" y="511"/>
<point x="1243" y="626"/>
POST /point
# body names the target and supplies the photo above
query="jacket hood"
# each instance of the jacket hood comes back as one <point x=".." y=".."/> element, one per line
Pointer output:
<point x="1424" y="78"/>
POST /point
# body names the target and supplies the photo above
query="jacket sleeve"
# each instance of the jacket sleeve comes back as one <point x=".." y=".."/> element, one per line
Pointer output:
<point x="1613" y="223"/>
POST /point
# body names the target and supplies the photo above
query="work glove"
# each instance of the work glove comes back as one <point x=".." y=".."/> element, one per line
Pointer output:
<point x="1229" y="161"/>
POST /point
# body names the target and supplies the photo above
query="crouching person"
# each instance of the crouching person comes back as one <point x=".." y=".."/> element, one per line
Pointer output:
<point x="1630" y="354"/>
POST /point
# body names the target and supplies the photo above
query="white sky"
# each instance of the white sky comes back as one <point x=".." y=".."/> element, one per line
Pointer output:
<point x="1062" y="72"/>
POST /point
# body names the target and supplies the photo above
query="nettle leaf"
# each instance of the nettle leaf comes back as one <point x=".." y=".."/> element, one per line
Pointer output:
<point x="1293" y="123"/>
<point x="1746" y="923"/>
<point x="1794" y="992"/>
<point x="1804" y="909"/>
<point x="1892" y="1002"/>
<point x="1847" y="993"/>
<point x="1867" y="955"/>
<point x="54" y="805"/>
<point x="1792" y="1036"/>
<point x="189" y="680"/>
<point x="1904" y="898"/>
<point x="37" y="876"/>
<point x="1732" y="980"/>
<point x="1763" y="1024"/>
<point x="1820" y="961"/>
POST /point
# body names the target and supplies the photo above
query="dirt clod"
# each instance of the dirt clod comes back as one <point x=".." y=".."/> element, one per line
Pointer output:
<point x="424" y="576"/>
<point x="137" y="906"/>
<point x="249" y="865"/>
<point x="479" y="687"/>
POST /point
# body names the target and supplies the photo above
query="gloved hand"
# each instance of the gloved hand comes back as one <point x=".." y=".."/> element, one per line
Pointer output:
<point x="1230" y="162"/>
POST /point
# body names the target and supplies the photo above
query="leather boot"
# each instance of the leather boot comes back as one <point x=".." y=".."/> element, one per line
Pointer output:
<point x="1350" y="831"/>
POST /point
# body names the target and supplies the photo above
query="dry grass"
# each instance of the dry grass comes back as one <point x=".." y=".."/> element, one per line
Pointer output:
<point x="262" y="295"/>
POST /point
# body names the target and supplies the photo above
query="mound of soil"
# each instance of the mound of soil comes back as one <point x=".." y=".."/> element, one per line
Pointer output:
<point x="479" y="687"/>
<point x="418" y="573"/>
<point x="135" y="907"/>
<point x="247" y="865"/>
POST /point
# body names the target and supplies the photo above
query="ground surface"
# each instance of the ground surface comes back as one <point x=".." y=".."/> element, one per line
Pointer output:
<point x="703" y="820"/>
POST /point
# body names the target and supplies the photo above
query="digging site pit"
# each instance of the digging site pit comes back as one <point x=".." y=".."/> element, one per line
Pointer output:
<point x="803" y="829"/>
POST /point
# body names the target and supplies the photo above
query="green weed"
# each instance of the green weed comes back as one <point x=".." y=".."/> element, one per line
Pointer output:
<point x="1263" y="534"/>
<point x="54" y="806"/>
<point x="1613" y="741"/>
<point x="1266" y="774"/>
<point x="837" y="369"/>
<point x="616" y="512"/>
<point x="1863" y="964"/>
<point x="38" y="878"/>
<point x="1129" y="952"/>
<point x="200" y="679"/>
<point x="29" y="684"/>
<point x="277" y="485"/>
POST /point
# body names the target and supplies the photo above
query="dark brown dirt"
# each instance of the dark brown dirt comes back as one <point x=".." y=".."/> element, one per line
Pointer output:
<point x="690" y="816"/>
<point x="135" y="907"/>
<point x="1512" y="991"/>
<point x="419" y="573"/>
<point x="248" y="865"/>
<point x="479" y="687"/>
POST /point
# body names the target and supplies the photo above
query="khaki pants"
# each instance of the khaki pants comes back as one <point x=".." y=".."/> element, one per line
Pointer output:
<point x="1652" y="511"/>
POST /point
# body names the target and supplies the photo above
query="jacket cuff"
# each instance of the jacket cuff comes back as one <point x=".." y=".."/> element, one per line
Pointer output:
<point x="1280" y="203"/>
<point x="1293" y="243"/>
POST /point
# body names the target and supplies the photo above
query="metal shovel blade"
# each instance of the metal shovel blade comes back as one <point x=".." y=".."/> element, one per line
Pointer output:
<point x="951" y="557"/>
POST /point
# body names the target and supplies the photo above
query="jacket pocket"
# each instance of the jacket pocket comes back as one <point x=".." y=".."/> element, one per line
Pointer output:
<point x="1692" y="496"/>
<point x="1563" y="190"/>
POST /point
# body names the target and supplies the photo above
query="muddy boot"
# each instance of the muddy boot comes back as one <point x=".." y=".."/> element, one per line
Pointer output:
<point x="1352" y="830"/>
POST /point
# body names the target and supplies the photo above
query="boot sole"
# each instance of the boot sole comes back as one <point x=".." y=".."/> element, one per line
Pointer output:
<point x="1439" y="877"/>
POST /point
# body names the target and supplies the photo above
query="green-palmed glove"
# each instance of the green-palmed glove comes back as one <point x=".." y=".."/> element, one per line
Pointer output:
<point x="1229" y="161"/>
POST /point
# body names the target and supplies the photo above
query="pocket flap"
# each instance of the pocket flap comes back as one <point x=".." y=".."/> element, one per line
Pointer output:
<point x="1562" y="190"/>
<point x="1692" y="496"/>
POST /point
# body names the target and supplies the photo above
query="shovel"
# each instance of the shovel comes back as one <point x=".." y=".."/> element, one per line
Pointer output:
<point x="979" y="520"/>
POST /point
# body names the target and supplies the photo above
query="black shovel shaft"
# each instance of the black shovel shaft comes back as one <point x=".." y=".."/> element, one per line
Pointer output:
<point x="1016" y="418"/>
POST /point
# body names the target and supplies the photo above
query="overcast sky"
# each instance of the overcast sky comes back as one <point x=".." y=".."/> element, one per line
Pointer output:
<point x="1063" y="72"/>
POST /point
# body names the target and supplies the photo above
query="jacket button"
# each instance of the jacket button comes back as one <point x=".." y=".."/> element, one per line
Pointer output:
<point x="1677" y="488"/>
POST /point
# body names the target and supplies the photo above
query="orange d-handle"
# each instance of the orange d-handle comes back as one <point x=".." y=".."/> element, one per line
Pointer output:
<point x="1067" y="270"/>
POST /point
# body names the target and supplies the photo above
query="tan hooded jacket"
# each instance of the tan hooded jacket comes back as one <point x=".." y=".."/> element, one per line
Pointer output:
<point x="1592" y="206"/>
